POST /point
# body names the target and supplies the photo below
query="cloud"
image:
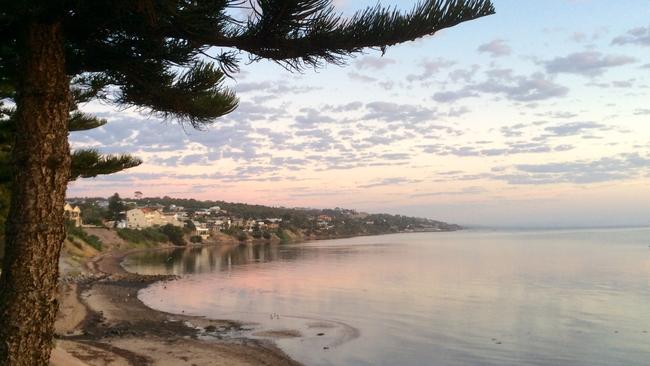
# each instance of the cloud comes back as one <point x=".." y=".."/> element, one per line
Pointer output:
<point x="535" y="87"/>
<point x="429" y="69"/>
<point x="353" y="75"/>
<point x="392" y="112"/>
<point x="465" y="191"/>
<point x="575" y="128"/>
<point x="276" y="87"/>
<point x="389" y="182"/>
<point x="589" y="63"/>
<point x="496" y="48"/>
<point x="620" y="167"/>
<point x="465" y="75"/>
<point x="312" y="117"/>
<point x="513" y="130"/>
<point x="453" y="95"/>
<point x="637" y="36"/>
<point x="348" y="107"/>
<point x="376" y="63"/>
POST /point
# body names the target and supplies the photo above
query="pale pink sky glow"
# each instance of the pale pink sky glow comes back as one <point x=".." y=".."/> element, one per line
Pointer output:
<point x="509" y="120"/>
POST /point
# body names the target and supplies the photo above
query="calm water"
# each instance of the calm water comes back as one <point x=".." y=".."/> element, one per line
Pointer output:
<point x="464" y="298"/>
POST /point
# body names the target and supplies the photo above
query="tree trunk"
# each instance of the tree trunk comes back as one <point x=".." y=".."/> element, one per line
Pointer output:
<point x="35" y="226"/>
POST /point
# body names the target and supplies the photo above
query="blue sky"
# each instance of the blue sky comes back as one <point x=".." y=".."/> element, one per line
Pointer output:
<point x="535" y="116"/>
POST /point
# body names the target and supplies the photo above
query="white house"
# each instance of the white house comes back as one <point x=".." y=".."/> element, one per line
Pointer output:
<point x="136" y="219"/>
<point x="139" y="218"/>
<point x="201" y="229"/>
<point x="72" y="213"/>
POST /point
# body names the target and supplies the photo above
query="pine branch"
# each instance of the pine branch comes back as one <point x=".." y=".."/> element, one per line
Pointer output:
<point x="88" y="86"/>
<point x="195" y="95"/>
<point x="296" y="35"/>
<point x="89" y="163"/>
<point x="81" y="121"/>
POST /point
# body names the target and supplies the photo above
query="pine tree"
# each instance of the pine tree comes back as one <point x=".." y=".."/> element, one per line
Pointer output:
<point x="169" y="57"/>
<point x="85" y="163"/>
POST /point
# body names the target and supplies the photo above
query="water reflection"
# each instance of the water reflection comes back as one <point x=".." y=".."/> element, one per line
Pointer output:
<point x="523" y="298"/>
<point x="197" y="260"/>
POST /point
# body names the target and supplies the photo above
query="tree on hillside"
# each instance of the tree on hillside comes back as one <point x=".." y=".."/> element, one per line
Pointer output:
<point x="174" y="233"/>
<point x="169" y="57"/>
<point x="115" y="207"/>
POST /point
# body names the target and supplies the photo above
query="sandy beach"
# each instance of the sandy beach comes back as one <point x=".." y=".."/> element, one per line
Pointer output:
<point x="103" y="323"/>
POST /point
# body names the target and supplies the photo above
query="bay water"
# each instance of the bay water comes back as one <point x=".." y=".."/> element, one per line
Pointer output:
<point x="546" y="297"/>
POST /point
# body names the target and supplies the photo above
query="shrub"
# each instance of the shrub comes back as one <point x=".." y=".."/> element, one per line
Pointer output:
<point x="144" y="236"/>
<point x="196" y="239"/>
<point x="284" y="237"/>
<point x="241" y="236"/>
<point x="174" y="234"/>
<point x="266" y="235"/>
<point x="78" y="232"/>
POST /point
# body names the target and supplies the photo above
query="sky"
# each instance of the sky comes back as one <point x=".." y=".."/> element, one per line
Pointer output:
<point x="536" y="116"/>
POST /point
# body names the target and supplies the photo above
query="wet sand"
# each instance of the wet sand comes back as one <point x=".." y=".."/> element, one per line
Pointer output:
<point x="103" y="323"/>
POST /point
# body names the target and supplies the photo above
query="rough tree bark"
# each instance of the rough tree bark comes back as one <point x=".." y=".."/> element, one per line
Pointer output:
<point x="35" y="227"/>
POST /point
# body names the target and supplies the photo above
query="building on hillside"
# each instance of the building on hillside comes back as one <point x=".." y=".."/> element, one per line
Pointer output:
<point x="215" y="209"/>
<point x="250" y="225"/>
<point x="201" y="229"/>
<point x="325" y="218"/>
<point x="139" y="218"/>
<point x="218" y="224"/>
<point x="72" y="213"/>
<point x="136" y="219"/>
<point x="272" y="225"/>
<point x="175" y="208"/>
<point x="201" y="212"/>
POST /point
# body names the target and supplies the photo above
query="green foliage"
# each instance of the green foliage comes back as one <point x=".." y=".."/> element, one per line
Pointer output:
<point x="154" y="235"/>
<point x="242" y="236"/>
<point x="196" y="239"/>
<point x="115" y="207"/>
<point x="284" y="237"/>
<point x="154" y="54"/>
<point x="89" y="163"/>
<point x="77" y="232"/>
<point x="266" y="235"/>
<point x="92" y="214"/>
<point x="174" y="234"/>
<point x="144" y="236"/>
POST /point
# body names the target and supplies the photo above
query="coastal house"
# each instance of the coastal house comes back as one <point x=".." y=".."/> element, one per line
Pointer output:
<point x="325" y="218"/>
<point x="139" y="218"/>
<point x="217" y="224"/>
<point x="172" y="219"/>
<point x="72" y="213"/>
<point x="250" y="225"/>
<point x="136" y="219"/>
<point x="201" y="212"/>
<point x="201" y="229"/>
<point x="272" y="225"/>
<point x="175" y="208"/>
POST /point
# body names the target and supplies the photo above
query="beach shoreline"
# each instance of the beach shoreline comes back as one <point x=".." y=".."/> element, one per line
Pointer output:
<point x="102" y="322"/>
